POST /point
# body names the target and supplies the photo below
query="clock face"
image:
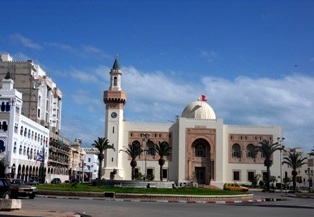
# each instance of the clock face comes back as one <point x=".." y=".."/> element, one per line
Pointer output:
<point x="114" y="115"/>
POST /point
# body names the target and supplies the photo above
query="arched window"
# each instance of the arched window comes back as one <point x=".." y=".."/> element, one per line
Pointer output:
<point x="200" y="150"/>
<point x="2" y="146"/>
<point x="2" y="107"/>
<point x="7" y="107"/>
<point x="21" y="131"/>
<point x="115" y="81"/>
<point x="236" y="151"/>
<point x="14" y="149"/>
<point x="4" y="126"/>
<point x="250" y="150"/>
<point x="151" y="148"/>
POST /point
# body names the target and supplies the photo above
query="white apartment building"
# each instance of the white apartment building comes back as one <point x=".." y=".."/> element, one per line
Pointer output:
<point x="24" y="150"/>
<point x="42" y="103"/>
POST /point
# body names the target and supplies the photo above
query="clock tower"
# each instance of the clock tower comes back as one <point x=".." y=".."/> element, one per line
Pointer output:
<point x="114" y="98"/>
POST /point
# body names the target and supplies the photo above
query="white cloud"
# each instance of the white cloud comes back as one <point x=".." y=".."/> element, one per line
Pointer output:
<point x="96" y="52"/>
<point x="61" y="46"/>
<point x="209" y="55"/>
<point x="85" y="77"/>
<point x="25" y="41"/>
<point x="155" y="97"/>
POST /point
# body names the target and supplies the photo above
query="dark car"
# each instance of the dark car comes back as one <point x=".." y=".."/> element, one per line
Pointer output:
<point x="56" y="181"/>
<point x="19" y="188"/>
<point x="5" y="190"/>
<point x="33" y="180"/>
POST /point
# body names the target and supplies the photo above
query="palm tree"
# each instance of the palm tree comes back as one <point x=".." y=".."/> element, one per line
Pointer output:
<point x="134" y="150"/>
<point x="267" y="149"/>
<point x="163" y="149"/>
<point x="101" y="144"/>
<point x="295" y="161"/>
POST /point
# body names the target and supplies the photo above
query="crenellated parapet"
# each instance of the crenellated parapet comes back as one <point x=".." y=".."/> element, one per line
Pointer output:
<point x="114" y="99"/>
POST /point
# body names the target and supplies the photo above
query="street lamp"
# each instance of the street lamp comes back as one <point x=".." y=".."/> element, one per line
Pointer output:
<point x="82" y="166"/>
<point x="280" y="141"/>
<point x="309" y="172"/>
<point x="146" y="135"/>
<point x="145" y="150"/>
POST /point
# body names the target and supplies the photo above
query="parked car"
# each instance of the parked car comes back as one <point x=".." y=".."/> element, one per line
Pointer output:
<point x="33" y="180"/>
<point x="56" y="181"/>
<point x="5" y="191"/>
<point x="235" y="187"/>
<point x="19" y="188"/>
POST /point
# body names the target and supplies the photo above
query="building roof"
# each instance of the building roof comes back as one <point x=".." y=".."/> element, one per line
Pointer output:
<point x="198" y="110"/>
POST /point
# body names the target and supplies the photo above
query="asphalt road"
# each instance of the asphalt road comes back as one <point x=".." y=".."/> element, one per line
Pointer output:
<point x="287" y="207"/>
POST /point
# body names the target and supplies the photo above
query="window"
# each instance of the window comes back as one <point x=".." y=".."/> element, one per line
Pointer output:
<point x="21" y="131"/>
<point x="200" y="150"/>
<point x="14" y="149"/>
<point x="150" y="172"/>
<point x="250" y="151"/>
<point x="151" y="148"/>
<point x="115" y="81"/>
<point x="20" y="150"/>
<point x="7" y="107"/>
<point x="2" y="146"/>
<point x="165" y="174"/>
<point x="236" y="175"/>
<point x="136" y="172"/>
<point x="24" y="151"/>
<point x="2" y="106"/>
<point x="89" y="160"/>
<point x="236" y="151"/>
<point x="16" y="127"/>
<point x="250" y="176"/>
<point x="38" y="113"/>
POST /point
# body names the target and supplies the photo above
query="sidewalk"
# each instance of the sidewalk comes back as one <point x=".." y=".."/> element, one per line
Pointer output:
<point x="39" y="213"/>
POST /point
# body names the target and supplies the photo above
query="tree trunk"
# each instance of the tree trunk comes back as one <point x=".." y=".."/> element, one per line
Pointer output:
<point x="161" y="162"/>
<point x="100" y="169"/>
<point x="268" y="178"/>
<point x="133" y="164"/>
<point x="294" y="176"/>
<point x="268" y="164"/>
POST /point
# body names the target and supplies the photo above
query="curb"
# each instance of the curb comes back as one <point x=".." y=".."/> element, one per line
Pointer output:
<point x="158" y="201"/>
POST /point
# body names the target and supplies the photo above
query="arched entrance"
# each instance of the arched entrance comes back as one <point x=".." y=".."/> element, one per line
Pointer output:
<point x="199" y="161"/>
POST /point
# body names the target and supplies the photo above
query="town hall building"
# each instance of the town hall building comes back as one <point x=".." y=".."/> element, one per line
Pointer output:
<point x="205" y="150"/>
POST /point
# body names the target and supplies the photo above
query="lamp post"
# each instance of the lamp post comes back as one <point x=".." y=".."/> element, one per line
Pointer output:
<point x="82" y="167"/>
<point x="309" y="172"/>
<point x="280" y="141"/>
<point x="146" y="135"/>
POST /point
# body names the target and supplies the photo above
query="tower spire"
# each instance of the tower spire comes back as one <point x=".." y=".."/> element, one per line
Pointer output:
<point x="116" y="64"/>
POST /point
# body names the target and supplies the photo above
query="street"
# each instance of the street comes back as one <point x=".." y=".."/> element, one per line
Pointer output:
<point x="287" y="206"/>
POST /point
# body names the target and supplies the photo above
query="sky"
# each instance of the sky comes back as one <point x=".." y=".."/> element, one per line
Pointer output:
<point x="254" y="60"/>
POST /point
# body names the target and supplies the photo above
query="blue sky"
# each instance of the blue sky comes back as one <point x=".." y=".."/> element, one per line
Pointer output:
<point x="254" y="60"/>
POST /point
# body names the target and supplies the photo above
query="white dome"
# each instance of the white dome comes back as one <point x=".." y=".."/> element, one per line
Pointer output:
<point x="198" y="110"/>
